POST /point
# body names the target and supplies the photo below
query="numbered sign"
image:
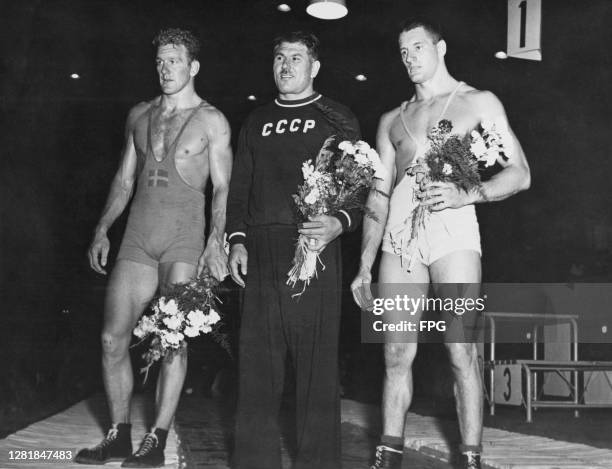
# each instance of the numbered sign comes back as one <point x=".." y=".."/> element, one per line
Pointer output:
<point x="524" y="28"/>
<point x="508" y="384"/>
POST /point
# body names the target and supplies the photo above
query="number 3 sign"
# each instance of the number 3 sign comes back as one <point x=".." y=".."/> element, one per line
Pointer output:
<point x="508" y="384"/>
<point x="524" y="28"/>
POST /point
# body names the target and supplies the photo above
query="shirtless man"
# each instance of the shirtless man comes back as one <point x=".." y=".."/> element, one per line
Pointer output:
<point x="174" y="143"/>
<point x="448" y="249"/>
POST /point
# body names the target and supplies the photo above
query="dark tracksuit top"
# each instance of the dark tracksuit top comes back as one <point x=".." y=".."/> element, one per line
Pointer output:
<point x="274" y="142"/>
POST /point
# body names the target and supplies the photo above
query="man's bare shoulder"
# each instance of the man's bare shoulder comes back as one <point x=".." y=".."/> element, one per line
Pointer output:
<point x="210" y="114"/>
<point x="138" y="111"/>
<point x="387" y="119"/>
<point x="212" y="120"/>
<point x="483" y="101"/>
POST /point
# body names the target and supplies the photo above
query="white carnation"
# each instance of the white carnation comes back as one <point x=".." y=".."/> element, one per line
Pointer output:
<point x="212" y="317"/>
<point x="373" y="155"/>
<point x="347" y="147"/>
<point x="145" y="326"/>
<point x="344" y="145"/>
<point x="168" y="307"/>
<point x="362" y="146"/>
<point x="499" y="134"/>
<point x="171" y="339"/>
<point x="478" y="146"/>
<point x="307" y="169"/>
<point x="312" y="196"/>
<point x="172" y="322"/>
<point x="196" y="318"/>
<point x="362" y="159"/>
<point x="447" y="169"/>
<point x="191" y="331"/>
<point x="490" y="157"/>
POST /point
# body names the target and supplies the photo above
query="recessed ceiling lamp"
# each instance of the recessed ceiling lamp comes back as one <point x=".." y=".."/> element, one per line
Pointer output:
<point x="327" y="9"/>
<point x="252" y="97"/>
<point x="361" y="77"/>
<point x="283" y="7"/>
<point x="501" y="55"/>
<point x="75" y="76"/>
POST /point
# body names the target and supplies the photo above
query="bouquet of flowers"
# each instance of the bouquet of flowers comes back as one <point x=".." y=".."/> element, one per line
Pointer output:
<point x="457" y="159"/>
<point x="340" y="179"/>
<point x="186" y="310"/>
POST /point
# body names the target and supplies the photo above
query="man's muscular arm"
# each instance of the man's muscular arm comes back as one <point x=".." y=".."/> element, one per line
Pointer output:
<point x="119" y="195"/>
<point x="220" y="159"/>
<point x="515" y="175"/>
<point x="513" y="178"/>
<point x="378" y="203"/>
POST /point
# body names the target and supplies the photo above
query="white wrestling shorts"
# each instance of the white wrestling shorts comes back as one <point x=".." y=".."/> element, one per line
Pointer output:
<point x="442" y="233"/>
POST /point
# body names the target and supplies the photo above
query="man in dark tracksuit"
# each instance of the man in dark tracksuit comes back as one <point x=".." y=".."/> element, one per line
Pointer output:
<point x="262" y="226"/>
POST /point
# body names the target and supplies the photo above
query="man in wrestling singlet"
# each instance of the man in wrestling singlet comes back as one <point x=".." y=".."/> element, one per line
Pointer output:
<point x="448" y="246"/>
<point x="174" y="143"/>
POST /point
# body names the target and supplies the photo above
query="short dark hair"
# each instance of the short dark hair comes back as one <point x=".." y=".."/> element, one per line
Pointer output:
<point x="433" y="29"/>
<point x="303" y="37"/>
<point x="179" y="37"/>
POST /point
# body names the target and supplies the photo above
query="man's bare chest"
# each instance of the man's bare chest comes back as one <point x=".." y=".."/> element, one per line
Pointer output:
<point x="180" y="134"/>
<point x="412" y="127"/>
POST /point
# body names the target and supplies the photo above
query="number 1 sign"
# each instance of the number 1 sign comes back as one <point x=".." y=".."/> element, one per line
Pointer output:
<point x="524" y="28"/>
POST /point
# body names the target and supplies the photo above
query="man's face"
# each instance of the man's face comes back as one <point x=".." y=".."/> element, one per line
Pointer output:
<point x="294" y="70"/>
<point x="174" y="68"/>
<point x="420" y="55"/>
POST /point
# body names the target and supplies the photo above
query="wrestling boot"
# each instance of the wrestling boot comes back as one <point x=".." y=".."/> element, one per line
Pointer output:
<point x="387" y="458"/>
<point x="116" y="446"/>
<point x="470" y="460"/>
<point x="151" y="451"/>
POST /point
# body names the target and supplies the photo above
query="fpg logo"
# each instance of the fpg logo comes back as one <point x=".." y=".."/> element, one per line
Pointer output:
<point x="439" y="326"/>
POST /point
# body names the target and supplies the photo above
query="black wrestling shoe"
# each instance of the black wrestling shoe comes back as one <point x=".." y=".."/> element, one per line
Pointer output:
<point x="470" y="460"/>
<point x="387" y="458"/>
<point x="116" y="446"/>
<point x="150" y="453"/>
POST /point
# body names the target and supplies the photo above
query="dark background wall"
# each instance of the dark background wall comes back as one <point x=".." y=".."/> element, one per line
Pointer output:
<point x="61" y="138"/>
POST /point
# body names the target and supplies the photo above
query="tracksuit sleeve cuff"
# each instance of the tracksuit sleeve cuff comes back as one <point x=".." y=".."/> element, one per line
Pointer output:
<point x="237" y="237"/>
<point x="345" y="220"/>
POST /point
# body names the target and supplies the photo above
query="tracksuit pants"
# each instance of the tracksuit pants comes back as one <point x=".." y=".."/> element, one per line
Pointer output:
<point x="304" y="329"/>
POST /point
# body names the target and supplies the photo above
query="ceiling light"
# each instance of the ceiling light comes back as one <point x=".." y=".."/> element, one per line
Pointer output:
<point x="501" y="55"/>
<point x="252" y="97"/>
<point x="361" y="77"/>
<point x="75" y="76"/>
<point x="327" y="9"/>
<point x="283" y="7"/>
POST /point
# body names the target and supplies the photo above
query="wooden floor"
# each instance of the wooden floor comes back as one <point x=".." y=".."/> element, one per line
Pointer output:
<point x="82" y="425"/>
<point x="79" y="426"/>
<point x="501" y="449"/>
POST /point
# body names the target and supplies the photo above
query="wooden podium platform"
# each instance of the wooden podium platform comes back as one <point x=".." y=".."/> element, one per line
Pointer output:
<point x="79" y="426"/>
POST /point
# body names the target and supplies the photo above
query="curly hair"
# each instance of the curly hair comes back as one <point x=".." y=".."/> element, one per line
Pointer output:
<point x="307" y="38"/>
<point x="179" y="37"/>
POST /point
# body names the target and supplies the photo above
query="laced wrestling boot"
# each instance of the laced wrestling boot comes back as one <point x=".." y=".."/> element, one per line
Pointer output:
<point x="116" y="446"/>
<point x="151" y="451"/>
<point x="387" y="458"/>
<point x="470" y="460"/>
